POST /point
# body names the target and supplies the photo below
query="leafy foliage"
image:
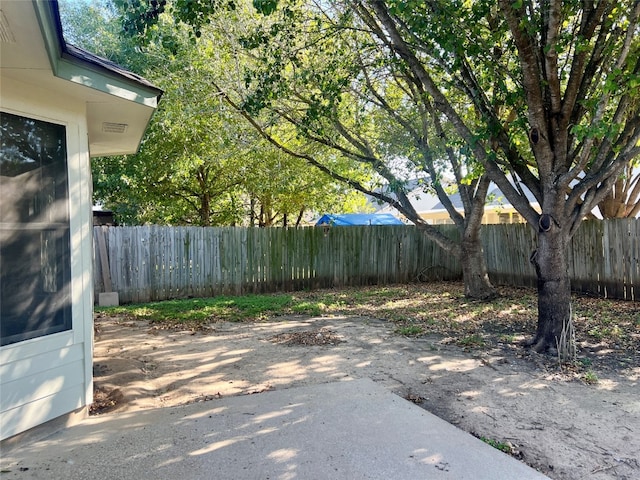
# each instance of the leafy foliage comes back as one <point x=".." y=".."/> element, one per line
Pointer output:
<point x="566" y="72"/>
<point x="199" y="163"/>
<point x="316" y="72"/>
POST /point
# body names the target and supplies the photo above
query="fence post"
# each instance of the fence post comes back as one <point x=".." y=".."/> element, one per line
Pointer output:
<point x="108" y="298"/>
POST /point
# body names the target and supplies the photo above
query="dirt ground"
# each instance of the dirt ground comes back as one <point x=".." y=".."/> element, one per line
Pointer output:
<point x="566" y="428"/>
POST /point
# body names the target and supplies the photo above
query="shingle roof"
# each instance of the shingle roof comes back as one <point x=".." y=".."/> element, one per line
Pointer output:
<point x="105" y="65"/>
<point x="94" y="61"/>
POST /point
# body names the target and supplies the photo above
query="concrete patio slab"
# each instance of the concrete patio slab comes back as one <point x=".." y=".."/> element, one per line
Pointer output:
<point x="344" y="430"/>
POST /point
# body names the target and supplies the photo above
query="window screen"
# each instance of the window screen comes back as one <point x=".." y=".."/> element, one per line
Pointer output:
<point x="35" y="269"/>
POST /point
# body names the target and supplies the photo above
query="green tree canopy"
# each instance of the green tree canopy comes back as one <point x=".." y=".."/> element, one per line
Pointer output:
<point x="323" y="93"/>
<point x="199" y="162"/>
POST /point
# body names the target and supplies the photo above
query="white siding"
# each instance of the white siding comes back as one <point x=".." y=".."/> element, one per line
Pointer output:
<point x="44" y="378"/>
<point x="42" y="410"/>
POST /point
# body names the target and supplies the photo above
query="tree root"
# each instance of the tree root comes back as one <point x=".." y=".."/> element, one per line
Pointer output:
<point x="536" y="344"/>
<point x="564" y="349"/>
<point x="485" y="296"/>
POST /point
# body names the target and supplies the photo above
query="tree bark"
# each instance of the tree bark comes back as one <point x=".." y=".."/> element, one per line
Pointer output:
<point x="205" y="210"/>
<point x="554" y="291"/>
<point x="623" y="201"/>
<point x="474" y="267"/>
<point x="472" y="258"/>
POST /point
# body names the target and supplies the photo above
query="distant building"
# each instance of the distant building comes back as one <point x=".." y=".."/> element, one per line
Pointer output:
<point x="429" y="207"/>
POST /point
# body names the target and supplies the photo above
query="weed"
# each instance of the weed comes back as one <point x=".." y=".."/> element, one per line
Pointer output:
<point x="585" y="362"/>
<point x="602" y="332"/>
<point x="597" y="332"/>
<point x="410" y="330"/>
<point x="336" y="305"/>
<point x="617" y="332"/>
<point x="470" y="341"/>
<point x="309" y="308"/>
<point x="590" y="377"/>
<point x="502" y="446"/>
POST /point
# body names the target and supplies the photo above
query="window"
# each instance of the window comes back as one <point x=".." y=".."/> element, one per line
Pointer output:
<point x="35" y="267"/>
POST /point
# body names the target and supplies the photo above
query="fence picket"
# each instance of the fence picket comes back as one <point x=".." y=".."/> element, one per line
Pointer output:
<point x="158" y="263"/>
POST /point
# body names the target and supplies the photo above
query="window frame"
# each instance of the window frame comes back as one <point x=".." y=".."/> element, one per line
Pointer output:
<point x="53" y="312"/>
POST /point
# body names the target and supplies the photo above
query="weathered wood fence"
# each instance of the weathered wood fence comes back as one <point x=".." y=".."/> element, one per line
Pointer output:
<point x="156" y="263"/>
<point x="604" y="257"/>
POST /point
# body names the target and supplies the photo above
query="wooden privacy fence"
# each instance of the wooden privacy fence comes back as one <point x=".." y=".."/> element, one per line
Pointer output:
<point x="156" y="263"/>
<point x="603" y="257"/>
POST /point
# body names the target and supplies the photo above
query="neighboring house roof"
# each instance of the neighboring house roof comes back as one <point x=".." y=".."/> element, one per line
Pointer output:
<point x="421" y="201"/>
<point x="495" y="198"/>
<point x="425" y="202"/>
<point x="353" y="219"/>
<point x="119" y="103"/>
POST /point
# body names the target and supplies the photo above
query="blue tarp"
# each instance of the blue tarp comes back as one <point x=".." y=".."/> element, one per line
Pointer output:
<point x="352" y="219"/>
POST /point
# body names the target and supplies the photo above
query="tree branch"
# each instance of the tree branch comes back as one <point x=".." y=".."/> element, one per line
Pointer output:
<point x="440" y="239"/>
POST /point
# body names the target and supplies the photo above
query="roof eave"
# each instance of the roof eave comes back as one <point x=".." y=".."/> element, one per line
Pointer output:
<point x="73" y="63"/>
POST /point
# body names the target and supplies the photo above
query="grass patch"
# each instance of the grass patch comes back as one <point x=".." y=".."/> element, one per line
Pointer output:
<point x="438" y="308"/>
<point x="471" y="341"/>
<point x="204" y="310"/>
<point x="410" y="330"/>
<point x="314" y="309"/>
<point x="502" y="446"/>
<point x="590" y="377"/>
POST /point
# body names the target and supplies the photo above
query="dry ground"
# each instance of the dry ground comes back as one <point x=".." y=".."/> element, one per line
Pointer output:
<point x="460" y="360"/>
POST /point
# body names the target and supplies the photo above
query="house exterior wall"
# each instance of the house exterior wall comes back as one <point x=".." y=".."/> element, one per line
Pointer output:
<point x="491" y="215"/>
<point x="46" y="377"/>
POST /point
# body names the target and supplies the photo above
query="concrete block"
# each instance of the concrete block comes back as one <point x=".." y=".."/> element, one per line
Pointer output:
<point x="108" y="299"/>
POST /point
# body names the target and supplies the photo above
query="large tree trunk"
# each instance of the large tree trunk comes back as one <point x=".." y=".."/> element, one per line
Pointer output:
<point x="205" y="210"/>
<point x="469" y="253"/>
<point x="555" y="327"/>
<point x="474" y="266"/>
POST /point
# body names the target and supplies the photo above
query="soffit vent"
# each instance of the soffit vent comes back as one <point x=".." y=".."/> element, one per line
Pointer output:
<point x="6" y="35"/>
<point x="109" y="127"/>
